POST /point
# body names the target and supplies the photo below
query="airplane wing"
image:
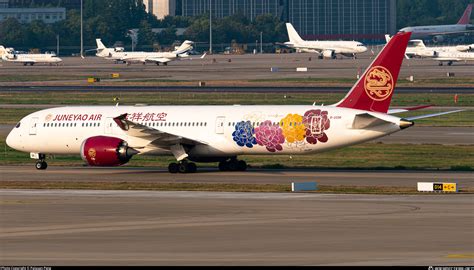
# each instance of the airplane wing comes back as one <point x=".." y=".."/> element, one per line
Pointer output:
<point x="155" y="136"/>
<point x="159" y="60"/>
<point x="447" y="59"/>
<point x="25" y="60"/>
<point x="400" y="110"/>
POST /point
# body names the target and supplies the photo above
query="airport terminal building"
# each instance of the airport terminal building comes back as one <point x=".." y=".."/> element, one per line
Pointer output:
<point x="363" y="20"/>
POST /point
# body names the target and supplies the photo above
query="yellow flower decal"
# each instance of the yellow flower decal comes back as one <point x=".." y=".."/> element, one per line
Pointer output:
<point x="293" y="128"/>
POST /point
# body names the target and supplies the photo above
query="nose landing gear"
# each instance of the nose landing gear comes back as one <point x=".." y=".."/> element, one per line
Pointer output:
<point x="41" y="163"/>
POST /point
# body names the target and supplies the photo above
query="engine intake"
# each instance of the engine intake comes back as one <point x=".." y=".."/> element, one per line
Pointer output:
<point x="106" y="151"/>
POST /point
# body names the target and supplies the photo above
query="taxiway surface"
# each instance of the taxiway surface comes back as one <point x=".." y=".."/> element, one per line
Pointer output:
<point x="223" y="67"/>
<point x="253" y="176"/>
<point x="40" y="227"/>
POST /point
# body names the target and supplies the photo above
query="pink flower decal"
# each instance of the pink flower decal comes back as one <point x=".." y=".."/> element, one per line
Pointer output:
<point x="270" y="135"/>
<point x="316" y="122"/>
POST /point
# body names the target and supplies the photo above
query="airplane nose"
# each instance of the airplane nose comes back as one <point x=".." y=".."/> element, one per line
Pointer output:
<point x="9" y="140"/>
<point x="12" y="140"/>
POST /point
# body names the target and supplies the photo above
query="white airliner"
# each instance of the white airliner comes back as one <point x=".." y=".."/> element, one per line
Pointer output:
<point x="439" y="32"/>
<point x="118" y="54"/>
<point x="325" y="48"/>
<point x="112" y="135"/>
<point x="442" y="54"/>
<point x="10" y="55"/>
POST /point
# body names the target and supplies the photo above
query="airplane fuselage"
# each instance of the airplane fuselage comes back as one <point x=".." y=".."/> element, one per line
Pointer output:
<point x="421" y="32"/>
<point x="224" y="131"/>
<point x="339" y="47"/>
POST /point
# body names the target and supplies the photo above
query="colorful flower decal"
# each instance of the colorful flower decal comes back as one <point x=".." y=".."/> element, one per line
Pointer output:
<point x="293" y="128"/>
<point x="270" y="136"/>
<point x="243" y="134"/>
<point x="316" y="122"/>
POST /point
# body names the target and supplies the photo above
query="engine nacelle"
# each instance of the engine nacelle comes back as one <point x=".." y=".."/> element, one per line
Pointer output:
<point x="119" y="49"/>
<point x="438" y="38"/>
<point x="106" y="151"/>
<point x="464" y="48"/>
<point x="428" y="53"/>
<point x="329" y="54"/>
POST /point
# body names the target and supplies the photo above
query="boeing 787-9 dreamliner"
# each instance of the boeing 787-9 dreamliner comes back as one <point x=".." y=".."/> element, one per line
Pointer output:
<point x="112" y="135"/>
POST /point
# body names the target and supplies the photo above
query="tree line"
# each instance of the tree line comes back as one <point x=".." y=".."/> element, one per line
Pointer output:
<point x="110" y="20"/>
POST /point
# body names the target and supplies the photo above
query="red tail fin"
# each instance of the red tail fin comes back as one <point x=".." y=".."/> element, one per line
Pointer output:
<point x="374" y="90"/>
<point x="466" y="16"/>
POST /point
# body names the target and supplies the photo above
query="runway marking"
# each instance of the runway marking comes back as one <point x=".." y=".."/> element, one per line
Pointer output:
<point x="461" y="256"/>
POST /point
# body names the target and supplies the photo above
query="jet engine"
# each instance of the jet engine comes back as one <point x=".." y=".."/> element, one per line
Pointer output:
<point x="106" y="151"/>
<point x="464" y="48"/>
<point x="428" y="54"/>
<point x="119" y="49"/>
<point x="438" y="38"/>
<point x="329" y="54"/>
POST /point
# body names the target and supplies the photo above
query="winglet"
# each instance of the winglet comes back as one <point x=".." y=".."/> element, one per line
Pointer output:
<point x="374" y="90"/>
<point x="120" y="120"/>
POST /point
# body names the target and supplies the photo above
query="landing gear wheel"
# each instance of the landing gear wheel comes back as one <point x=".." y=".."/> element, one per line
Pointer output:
<point x="173" y="168"/>
<point x="223" y="166"/>
<point x="232" y="165"/>
<point x="182" y="167"/>
<point x="41" y="165"/>
<point x="192" y="168"/>
<point x="241" y="165"/>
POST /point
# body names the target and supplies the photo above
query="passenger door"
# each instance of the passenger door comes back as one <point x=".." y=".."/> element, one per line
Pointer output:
<point x="33" y="125"/>
<point x="220" y="124"/>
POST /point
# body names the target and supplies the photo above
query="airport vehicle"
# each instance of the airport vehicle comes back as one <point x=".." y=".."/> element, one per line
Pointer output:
<point x="118" y="54"/>
<point x="112" y="135"/>
<point x="438" y="33"/>
<point x="324" y="48"/>
<point x="10" y="55"/>
<point x="442" y="54"/>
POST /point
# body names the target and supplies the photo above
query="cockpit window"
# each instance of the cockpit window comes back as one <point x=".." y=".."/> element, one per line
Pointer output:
<point x="18" y="125"/>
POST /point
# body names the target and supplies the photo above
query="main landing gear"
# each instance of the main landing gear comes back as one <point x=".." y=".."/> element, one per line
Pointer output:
<point x="182" y="167"/>
<point x="41" y="163"/>
<point x="233" y="165"/>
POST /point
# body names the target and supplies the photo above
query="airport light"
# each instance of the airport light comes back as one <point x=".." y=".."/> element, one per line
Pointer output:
<point x="82" y="35"/>
<point x="261" y="42"/>
<point x="57" y="45"/>
<point x="210" y="26"/>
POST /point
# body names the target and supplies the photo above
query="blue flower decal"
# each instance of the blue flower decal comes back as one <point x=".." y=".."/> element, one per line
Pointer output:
<point x="243" y="134"/>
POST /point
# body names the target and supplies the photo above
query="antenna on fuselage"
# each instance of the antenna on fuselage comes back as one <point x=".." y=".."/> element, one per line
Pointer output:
<point x="116" y="99"/>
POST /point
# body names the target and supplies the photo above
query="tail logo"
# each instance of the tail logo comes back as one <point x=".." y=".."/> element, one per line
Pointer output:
<point x="378" y="83"/>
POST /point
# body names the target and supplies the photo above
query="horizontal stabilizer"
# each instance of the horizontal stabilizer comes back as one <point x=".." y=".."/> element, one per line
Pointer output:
<point x="400" y="110"/>
<point x="431" y="115"/>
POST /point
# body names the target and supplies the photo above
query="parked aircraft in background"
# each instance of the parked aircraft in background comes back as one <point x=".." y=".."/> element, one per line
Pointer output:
<point x="118" y="54"/>
<point x="10" y="55"/>
<point x="442" y="54"/>
<point x="325" y="48"/>
<point x="112" y="135"/>
<point x="439" y="32"/>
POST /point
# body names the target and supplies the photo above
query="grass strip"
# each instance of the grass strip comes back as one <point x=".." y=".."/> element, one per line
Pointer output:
<point x="214" y="187"/>
<point x="210" y="98"/>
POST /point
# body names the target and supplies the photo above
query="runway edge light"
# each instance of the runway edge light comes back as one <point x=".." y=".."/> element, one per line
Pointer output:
<point x="305" y="186"/>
